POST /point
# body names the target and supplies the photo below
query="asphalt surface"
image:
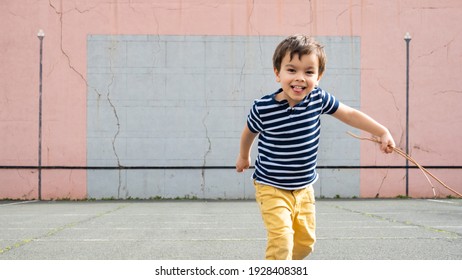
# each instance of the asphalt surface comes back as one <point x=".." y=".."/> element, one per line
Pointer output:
<point x="356" y="229"/>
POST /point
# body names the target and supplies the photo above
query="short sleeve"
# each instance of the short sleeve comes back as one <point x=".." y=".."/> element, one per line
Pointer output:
<point x="329" y="103"/>
<point x="253" y="120"/>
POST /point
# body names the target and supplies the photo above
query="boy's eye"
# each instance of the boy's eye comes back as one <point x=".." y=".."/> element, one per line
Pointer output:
<point x="290" y="70"/>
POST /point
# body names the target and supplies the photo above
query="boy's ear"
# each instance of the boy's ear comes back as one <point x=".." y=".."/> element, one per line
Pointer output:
<point x="276" y="73"/>
<point x="319" y="77"/>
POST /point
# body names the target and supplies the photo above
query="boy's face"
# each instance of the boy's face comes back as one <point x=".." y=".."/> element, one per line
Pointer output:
<point x="298" y="77"/>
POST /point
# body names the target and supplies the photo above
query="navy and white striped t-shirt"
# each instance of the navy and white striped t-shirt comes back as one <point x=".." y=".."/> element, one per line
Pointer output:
<point x="289" y="138"/>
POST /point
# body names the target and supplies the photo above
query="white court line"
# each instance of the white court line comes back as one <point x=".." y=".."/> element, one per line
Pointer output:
<point x="447" y="226"/>
<point x="257" y="239"/>
<point x="140" y="239"/>
<point x="441" y="201"/>
<point x="16" y="203"/>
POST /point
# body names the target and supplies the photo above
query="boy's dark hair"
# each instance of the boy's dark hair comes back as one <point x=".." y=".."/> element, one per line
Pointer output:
<point x="300" y="45"/>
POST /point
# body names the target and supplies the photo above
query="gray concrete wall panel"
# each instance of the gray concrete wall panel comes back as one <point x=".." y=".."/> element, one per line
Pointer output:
<point x="182" y="101"/>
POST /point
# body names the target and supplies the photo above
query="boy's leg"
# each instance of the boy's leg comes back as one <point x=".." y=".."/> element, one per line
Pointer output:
<point x="276" y="210"/>
<point x="304" y="223"/>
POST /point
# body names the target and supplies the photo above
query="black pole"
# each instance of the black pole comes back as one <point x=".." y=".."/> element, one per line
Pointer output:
<point x="40" y="35"/>
<point x="407" y="38"/>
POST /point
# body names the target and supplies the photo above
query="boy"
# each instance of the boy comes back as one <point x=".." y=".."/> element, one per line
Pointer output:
<point x="288" y="126"/>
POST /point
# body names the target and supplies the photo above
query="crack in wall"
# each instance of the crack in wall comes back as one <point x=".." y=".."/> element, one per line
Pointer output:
<point x="75" y="8"/>
<point x="16" y="15"/>
<point x="157" y="23"/>
<point x="237" y="87"/>
<point x="32" y="186"/>
<point x="401" y="138"/>
<point x="107" y="96"/>
<point x="350" y="17"/>
<point x="423" y="149"/>
<point x="311" y="13"/>
<point x="312" y="22"/>
<point x="381" y="183"/>
<point x="116" y="115"/>
<point x="449" y="91"/>
<point x="444" y="46"/>
<point x="60" y="14"/>
<point x="209" y="149"/>
<point x="250" y="14"/>
<point x="114" y="109"/>
<point x="262" y="58"/>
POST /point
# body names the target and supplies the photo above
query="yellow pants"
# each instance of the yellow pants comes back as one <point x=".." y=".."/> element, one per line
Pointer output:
<point x="289" y="218"/>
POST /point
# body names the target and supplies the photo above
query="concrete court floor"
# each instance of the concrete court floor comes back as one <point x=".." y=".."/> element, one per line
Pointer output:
<point x="355" y="229"/>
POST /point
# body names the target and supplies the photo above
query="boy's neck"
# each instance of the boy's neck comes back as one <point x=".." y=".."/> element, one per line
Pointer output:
<point x="280" y="97"/>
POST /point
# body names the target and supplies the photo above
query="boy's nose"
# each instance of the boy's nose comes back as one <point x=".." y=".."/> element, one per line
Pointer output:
<point x="300" y="78"/>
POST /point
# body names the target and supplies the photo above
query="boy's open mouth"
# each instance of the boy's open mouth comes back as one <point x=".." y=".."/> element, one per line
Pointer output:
<point x="298" y="88"/>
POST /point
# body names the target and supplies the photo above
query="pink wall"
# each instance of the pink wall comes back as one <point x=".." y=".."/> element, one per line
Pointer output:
<point x="435" y="89"/>
<point x="436" y="51"/>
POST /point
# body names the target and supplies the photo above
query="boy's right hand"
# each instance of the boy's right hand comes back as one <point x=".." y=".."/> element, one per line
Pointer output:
<point x="386" y="142"/>
<point x="242" y="163"/>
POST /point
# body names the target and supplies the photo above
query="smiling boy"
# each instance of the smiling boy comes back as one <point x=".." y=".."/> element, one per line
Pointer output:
<point x="288" y="125"/>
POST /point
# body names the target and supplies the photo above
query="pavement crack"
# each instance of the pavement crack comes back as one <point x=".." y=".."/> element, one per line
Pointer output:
<point x="57" y="230"/>
<point x="454" y="235"/>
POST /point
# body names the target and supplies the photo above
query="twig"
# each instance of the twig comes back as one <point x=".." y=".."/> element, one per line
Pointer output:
<point x="424" y="171"/>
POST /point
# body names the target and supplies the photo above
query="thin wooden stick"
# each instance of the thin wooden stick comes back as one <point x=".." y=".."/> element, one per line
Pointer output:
<point x="424" y="171"/>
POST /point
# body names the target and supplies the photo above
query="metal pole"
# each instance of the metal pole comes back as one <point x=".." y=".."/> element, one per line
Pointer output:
<point x="407" y="38"/>
<point x="40" y="35"/>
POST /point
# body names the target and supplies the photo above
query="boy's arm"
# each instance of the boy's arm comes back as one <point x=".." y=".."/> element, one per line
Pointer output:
<point x="362" y="121"/>
<point x="243" y="159"/>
